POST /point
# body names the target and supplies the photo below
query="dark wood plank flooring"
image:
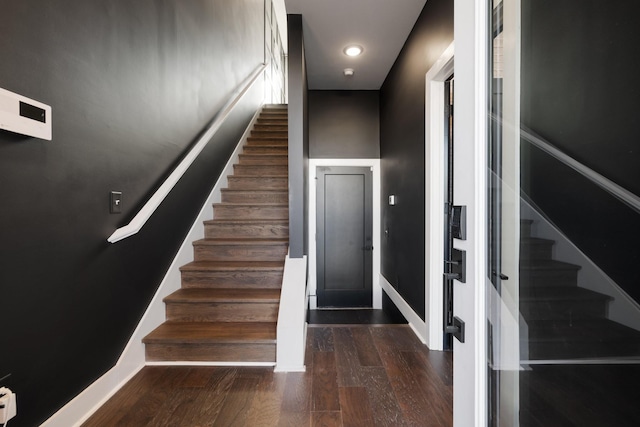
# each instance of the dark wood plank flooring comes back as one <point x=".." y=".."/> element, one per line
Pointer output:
<point x="355" y="317"/>
<point x="356" y="376"/>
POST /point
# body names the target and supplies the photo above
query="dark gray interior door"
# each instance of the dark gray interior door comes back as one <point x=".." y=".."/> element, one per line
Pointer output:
<point x="344" y="236"/>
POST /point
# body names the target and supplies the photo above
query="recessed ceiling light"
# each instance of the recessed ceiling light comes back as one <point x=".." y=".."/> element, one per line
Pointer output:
<point x="348" y="72"/>
<point x="353" y="50"/>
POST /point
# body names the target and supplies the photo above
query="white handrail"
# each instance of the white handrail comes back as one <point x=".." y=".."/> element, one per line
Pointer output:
<point x="152" y="204"/>
<point x="622" y="194"/>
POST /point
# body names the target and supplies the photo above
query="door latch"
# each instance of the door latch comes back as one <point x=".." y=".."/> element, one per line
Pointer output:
<point x="456" y="266"/>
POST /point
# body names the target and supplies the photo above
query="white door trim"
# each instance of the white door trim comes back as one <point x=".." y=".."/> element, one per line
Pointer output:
<point x="435" y="179"/>
<point x="374" y="164"/>
<point x="471" y="32"/>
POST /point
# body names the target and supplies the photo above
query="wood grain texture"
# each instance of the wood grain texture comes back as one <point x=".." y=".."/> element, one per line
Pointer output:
<point x="326" y="419"/>
<point x="324" y="396"/>
<point x="411" y="386"/>
<point x="254" y="196"/>
<point x="356" y="409"/>
<point x="251" y="210"/>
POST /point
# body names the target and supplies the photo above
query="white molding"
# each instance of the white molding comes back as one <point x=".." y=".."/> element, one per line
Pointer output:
<point x="435" y="180"/>
<point x="417" y="324"/>
<point x="192" y="363"/>
<point x="375" y="165"/>
<point x="292" y="317"/>
<point x="470" y="170"/>
<point x="132" y="359"/>
<point x="141" y="218"/>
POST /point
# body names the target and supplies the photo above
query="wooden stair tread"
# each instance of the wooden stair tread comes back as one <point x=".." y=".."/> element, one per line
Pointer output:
<point x="261" y="205"/>
<point x="258" y="190"/>
<point x="258" y="176"/>
<point x="211" y="295"/>
<point x="212" y="332"/>
<point x="243" y="241"/>
<point x="233" y="266"/>
<point x="248" y="221"/>
<point x="263" y="155"/>
<point x="266" y="146"/>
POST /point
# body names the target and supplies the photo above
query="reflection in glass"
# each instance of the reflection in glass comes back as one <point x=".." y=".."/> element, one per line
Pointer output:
<point x="562" y="297"/>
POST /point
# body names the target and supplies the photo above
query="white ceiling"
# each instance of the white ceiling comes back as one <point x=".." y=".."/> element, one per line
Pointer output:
<point x="380" y="26"/>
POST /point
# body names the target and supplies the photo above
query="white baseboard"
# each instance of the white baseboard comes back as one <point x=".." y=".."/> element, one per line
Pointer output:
<point x="417" y="324"/>
<point x="132" y="359"/>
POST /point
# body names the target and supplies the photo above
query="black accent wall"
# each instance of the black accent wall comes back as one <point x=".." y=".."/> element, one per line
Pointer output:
<point x="402" y="152"/>
<point x="344" y="124"/>
<point x="580" y="91"/>
<point x="298" y="140"/>
<point x="131" y="85"/>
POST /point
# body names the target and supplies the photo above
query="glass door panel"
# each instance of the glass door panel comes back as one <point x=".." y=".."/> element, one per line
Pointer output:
<point x="563" y="316"/>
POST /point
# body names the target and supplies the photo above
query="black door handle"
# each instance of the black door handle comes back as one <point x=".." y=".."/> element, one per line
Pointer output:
<point x="501" y="276"/>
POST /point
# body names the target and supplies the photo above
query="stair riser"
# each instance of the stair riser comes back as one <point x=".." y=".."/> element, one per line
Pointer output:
<point x="232" y="279"/>
<point x="246" y="159"/>
<point x="258" y="183"/>
<point x="255" y="197"/>
<point x="240" y="252"/>
<point x="211" y="352"/>
<point x="538" y="252"/>
<point x="227" y="231"/>
<point x="563" y="310"/>
<point x="548" y="278"/>
<point x="270" y="133"/>
<point x="259" y="170"/>
<point x="266" y="149"/>
<point x="250" y="212"/>
<point x="268" y="140"/>
<point x="271" y="127"/>
<point x="222" y="312"/>
<point x="273" y="120"/>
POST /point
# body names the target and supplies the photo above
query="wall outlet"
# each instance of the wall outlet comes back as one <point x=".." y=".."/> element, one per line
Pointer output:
<point x="8" y="407"/>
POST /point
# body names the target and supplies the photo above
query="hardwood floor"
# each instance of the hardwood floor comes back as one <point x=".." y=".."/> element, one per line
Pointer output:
<point x="356" y="376"/>
<point x="355" y="317"/>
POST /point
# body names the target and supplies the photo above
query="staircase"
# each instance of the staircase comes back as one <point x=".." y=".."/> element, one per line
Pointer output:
<point x="227" y="307"/>
<point x="565" y="321"/>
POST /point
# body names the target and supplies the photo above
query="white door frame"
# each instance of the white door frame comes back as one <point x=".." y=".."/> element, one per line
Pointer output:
<point x="374" y="164"/>
<point x="435" y="179"/>
<point x="471" y="32"/>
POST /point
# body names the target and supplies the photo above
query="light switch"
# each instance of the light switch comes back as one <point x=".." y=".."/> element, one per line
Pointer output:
<point x="116" y="202"/>
<point x="392" y="200"/>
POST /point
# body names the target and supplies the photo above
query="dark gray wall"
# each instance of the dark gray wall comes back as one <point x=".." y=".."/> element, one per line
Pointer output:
<point x="580" y="91"/>
<point x="131" y="84"/>
<point x="402" y="133"/>
<point x="298" y="140"/>
<point x="344" y="124"/>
